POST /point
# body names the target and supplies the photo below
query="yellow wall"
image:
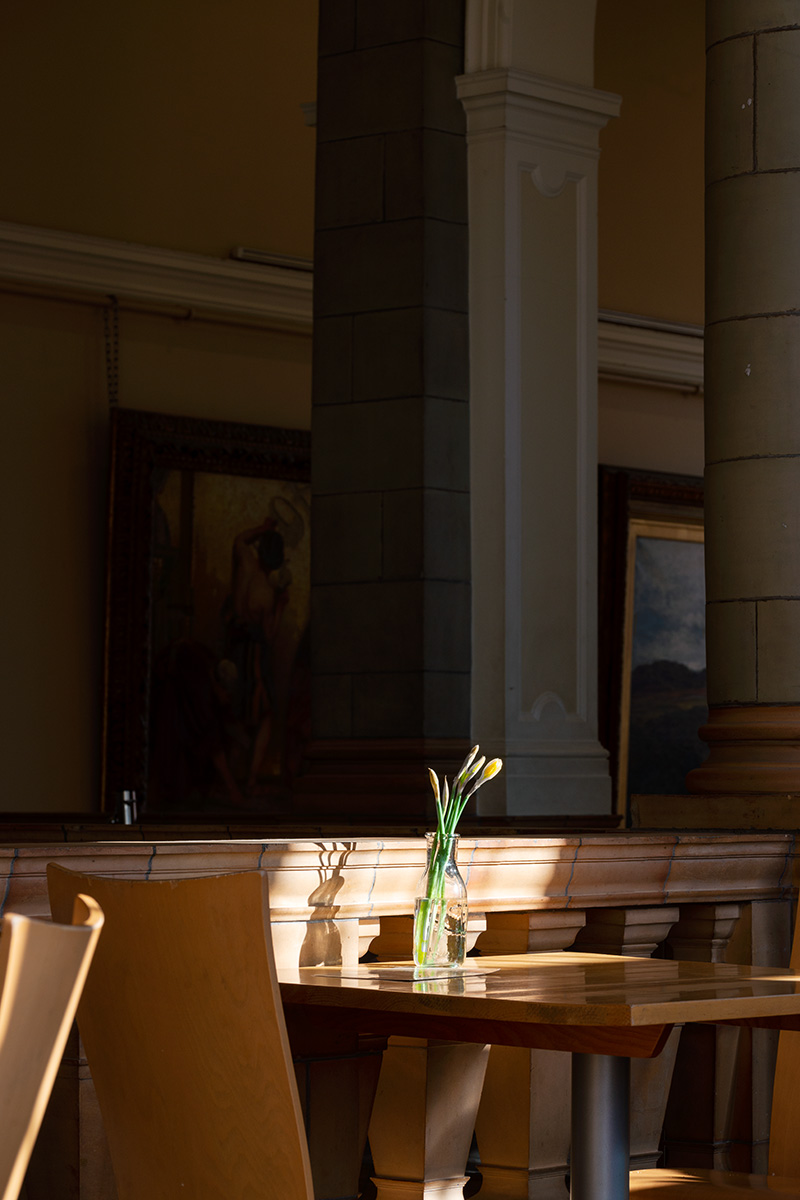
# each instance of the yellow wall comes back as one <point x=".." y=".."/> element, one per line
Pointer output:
<point x="54" y="506"/>
<point x="650" y="259"/>
<point x="173" y="126"/>
<point x="650" y="428"/>
<point x="651" y="162"/>
<point x="160" y="122"/>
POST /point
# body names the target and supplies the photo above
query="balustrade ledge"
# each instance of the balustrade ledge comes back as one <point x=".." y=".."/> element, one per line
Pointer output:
<point x="357" y="878"/>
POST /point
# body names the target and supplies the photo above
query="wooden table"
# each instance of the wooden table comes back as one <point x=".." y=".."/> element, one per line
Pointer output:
<point x="603" y="1009"/>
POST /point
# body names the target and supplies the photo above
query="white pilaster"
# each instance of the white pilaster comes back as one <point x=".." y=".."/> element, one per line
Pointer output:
<point x="533" y="150"/>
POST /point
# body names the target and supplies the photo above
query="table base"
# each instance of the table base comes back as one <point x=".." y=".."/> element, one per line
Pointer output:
<point x="600" y="1158"/>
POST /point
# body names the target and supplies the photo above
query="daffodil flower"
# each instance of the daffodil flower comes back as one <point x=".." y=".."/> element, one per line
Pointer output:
<point x="450" y="804"/>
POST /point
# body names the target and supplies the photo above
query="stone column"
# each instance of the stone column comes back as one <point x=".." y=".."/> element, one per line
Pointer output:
<point x="752" y="357"/>
<point x="533" y="123"/>
<point x="390" y="464"/>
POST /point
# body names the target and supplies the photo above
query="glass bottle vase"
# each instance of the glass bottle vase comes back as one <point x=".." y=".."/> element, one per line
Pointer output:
<point x="440" y="907"/>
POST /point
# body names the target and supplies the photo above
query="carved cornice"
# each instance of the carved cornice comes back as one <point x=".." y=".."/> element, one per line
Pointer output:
<point x="54" y="261"/>
<point x="540" y="90"/>
<point x="639" y="353"/>
<point x="367" y="878"/>
<point x="63" y="262"/>
<point x="507" y="101"/>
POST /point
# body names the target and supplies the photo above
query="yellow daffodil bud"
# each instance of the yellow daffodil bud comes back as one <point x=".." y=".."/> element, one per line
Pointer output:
<point x="488" y="772"/>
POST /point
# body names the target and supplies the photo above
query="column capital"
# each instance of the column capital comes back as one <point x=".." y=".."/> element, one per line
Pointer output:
<point x="510" y="100"/>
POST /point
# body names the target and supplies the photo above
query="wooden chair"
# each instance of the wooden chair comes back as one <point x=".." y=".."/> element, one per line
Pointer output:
<point x="43" y="968"/>
<point x="182" y="1024"/>
<point x="660" y="1183"/>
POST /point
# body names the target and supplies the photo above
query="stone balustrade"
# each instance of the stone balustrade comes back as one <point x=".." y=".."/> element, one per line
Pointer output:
<point x="362" y="878"/>
<point x="701" y="895"/>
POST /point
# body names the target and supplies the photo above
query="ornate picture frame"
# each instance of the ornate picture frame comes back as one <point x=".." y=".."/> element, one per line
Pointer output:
<point x="206" y="680"/>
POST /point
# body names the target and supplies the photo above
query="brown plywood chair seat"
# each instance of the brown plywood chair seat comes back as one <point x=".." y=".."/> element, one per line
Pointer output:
<point x="688" y="1184"/>
<point x="42" y="968"/>
<point x="182" y="1024"/>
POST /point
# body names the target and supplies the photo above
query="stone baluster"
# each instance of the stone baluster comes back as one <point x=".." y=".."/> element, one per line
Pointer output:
<point x="337" y="1074"/>
<point x="523" y="1124"/>
<point x="337" y="1071"/>
<point x="530" y="932"/>
<point x="637" y="932"/>
<point x="395" y="938"/>
<point x="769" y="933"/>
<point x="704" y="1116"/>
<point x="423" y="1117"/>
<point x="704" y="931"/>
<point x="633" y="931"/>
<point x="369" y="930"/>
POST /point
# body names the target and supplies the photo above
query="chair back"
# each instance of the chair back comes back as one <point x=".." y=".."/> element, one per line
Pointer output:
<point x="183" y="1029"/>
<point x="43" y="968"/>
<point x="784" y="1142"/>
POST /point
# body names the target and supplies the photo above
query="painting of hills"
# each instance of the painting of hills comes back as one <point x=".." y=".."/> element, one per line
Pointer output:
<point x="668" y="671"/>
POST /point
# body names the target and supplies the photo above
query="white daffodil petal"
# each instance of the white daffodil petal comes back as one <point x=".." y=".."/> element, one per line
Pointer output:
<point x="467" y="761"/>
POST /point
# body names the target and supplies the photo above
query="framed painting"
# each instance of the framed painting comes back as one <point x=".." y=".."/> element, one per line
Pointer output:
<point x="207" y="680"/>
<point x="652" y="630"/>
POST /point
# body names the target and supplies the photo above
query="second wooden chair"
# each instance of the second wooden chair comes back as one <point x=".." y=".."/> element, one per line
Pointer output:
<point x="183" y="1028"/>
<point x="42" y="971"/>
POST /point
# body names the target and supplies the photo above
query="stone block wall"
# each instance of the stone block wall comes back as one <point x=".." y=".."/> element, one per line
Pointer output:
<point x="390" y="557"/>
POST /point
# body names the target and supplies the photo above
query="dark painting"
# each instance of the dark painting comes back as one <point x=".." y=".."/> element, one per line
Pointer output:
<point x="208" y="677"/>
<point x="667" y="665"/>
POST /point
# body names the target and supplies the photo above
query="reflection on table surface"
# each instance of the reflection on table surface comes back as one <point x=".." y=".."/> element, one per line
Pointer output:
<point x="563" y="987"/>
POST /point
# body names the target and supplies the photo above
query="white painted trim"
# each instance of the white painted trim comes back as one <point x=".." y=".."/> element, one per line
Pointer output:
<point x="487" y="35"/>
<point x="280" y="296"/>
<point x="43" y="258"/>
<point x="520" y="123"/>
<point x="649" y="355"/>
<point x="543" y="94"/>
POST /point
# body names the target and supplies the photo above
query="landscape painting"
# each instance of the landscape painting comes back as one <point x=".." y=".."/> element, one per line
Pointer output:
<point x="664" y="681"/>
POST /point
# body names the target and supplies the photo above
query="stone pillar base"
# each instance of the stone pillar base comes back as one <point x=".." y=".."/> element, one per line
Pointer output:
<point x="379" y="777"/>
<point x="412" y="1189"/>
<point x="752" y="749"/>
<point x="516" y="1183"/>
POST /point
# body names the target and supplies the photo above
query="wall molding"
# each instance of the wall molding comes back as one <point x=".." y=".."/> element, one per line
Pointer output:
<point x="46" y="259"/>
<point x="629" y="347"/>
<point x="650" y="352"/>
